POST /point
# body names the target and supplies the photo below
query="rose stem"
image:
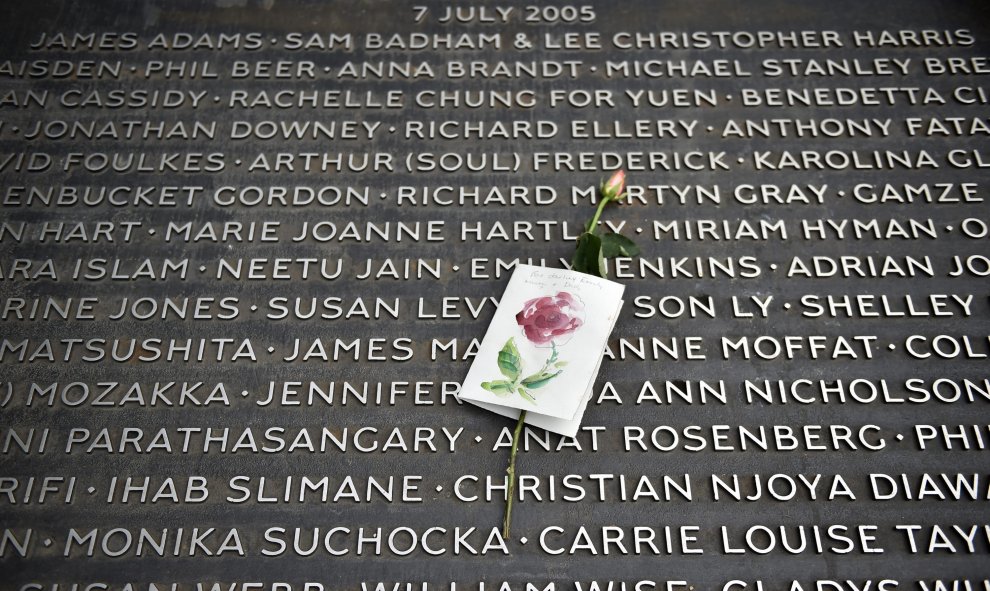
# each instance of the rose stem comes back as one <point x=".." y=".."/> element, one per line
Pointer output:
<point x="591" y="228"/>
<point x="593" y="224"/>
<point x="511" y="471"/>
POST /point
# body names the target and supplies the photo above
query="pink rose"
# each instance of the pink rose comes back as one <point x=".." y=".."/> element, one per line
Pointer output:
<point x="548" y="318"/>
<point x="612" y="188"/>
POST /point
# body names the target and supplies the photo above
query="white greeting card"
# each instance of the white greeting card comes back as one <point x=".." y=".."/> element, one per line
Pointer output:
<point x="544" y="346"/>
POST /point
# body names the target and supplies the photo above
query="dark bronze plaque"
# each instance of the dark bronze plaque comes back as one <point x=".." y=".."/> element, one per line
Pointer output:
<point x="248" y="248"/>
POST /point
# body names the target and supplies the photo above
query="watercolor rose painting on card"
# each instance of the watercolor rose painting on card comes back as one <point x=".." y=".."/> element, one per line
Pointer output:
<point x="547" y="321"/>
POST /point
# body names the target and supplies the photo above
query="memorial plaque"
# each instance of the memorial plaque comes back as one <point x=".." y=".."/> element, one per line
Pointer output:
<point x="248" y="250"/>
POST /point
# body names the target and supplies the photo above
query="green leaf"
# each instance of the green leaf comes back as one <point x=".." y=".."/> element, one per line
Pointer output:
<point x="498" y="387"/>
<point x="540" y="379"/>
<point x="509" y="362"/>
<point x="588" y="257"/>
<point x="527" y="395"/>
<point x="617" y="245"/>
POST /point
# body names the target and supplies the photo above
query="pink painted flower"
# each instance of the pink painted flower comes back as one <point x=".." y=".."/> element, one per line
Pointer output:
<point x="550" y="318"/>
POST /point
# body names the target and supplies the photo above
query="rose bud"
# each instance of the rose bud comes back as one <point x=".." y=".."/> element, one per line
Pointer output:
<point x="613" y="188"/>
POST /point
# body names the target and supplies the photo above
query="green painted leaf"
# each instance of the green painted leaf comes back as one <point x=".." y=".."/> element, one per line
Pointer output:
<point x="617" y="245"/>
<point x="498" y="387"/>
<point x="527" y="395"/>
<point x="588" y="257"/>
<point x="509" y="362"/>
<point x="540" y="379"/>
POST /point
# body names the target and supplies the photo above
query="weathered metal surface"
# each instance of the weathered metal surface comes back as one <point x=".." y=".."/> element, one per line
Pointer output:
<point x="871" y="130"/>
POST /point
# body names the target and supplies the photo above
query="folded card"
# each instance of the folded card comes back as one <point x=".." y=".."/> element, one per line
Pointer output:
<point x="544" y="347"/>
